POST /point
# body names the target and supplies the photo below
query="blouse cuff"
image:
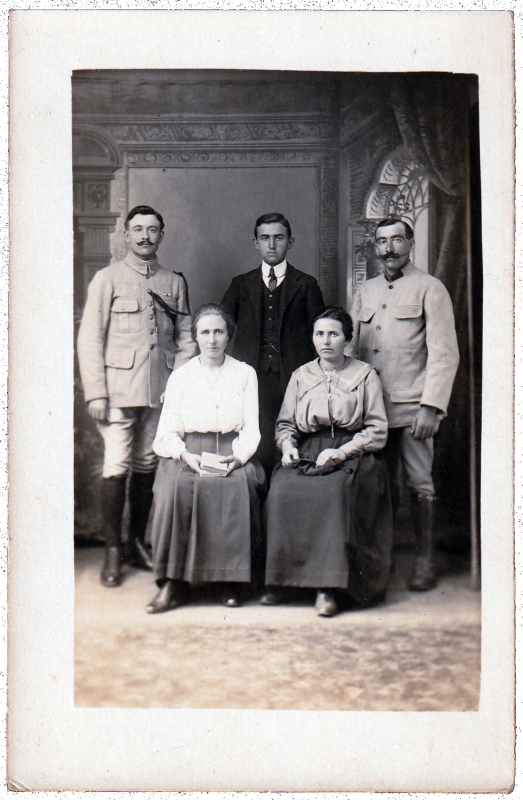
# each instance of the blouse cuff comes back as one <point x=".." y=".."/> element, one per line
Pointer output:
<point x="287" y="442"/>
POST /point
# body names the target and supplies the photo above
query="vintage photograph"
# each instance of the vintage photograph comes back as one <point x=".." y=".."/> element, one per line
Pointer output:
<point x="278" y="304"/>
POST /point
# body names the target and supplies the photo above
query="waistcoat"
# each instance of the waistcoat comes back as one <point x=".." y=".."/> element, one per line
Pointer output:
<point x="270" y="359"/>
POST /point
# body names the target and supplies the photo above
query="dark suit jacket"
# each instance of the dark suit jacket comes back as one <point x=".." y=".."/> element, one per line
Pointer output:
<point x="301" y="303"/>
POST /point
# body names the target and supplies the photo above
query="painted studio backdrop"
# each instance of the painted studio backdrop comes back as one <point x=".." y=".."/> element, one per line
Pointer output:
<point x="335" y="152"/>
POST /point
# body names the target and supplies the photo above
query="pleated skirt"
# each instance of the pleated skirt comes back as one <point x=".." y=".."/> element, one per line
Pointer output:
<point x="333" y="530"/>
<point x="203" y="526"/>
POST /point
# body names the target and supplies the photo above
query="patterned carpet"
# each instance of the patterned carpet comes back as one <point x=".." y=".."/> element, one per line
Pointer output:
<point x="414" y="653"/>
<point x="242" y="668"/>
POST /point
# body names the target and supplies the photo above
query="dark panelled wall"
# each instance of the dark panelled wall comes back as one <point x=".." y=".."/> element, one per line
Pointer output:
<point x="212" y="150"/>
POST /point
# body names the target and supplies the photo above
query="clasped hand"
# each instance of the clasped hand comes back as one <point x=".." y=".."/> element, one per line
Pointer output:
<point x="193" y="462"/>
<point x="291" y="456"/>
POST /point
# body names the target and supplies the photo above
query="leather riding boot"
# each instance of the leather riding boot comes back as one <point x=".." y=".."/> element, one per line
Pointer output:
<point x="112" y="500"/>
<point x="424" y="575"/>
<point x="140" y="501"/>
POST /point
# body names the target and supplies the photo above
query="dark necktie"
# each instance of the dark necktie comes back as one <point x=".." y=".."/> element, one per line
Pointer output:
<point x="273" y="281"/>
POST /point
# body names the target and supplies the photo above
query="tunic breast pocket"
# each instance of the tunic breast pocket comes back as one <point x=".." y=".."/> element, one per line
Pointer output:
<point x="126" y="314"/>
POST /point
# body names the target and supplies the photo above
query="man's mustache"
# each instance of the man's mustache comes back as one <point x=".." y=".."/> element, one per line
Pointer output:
<point x="145" y="241"/>
<point x="390" y="255"/>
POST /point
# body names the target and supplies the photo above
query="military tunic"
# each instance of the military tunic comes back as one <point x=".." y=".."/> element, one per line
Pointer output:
<point x="125" y="343"/>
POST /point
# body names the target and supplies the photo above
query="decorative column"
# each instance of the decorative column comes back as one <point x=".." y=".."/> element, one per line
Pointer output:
<point x="95" y="161"/>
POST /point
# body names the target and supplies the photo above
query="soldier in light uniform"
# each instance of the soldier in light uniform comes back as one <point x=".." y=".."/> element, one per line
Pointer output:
<point x="404" y="328"/>
<point x="129" y="342"/>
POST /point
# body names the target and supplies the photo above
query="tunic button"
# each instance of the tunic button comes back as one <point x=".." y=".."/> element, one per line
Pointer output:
<point x="150" y="303"/>
<point x="384" y="306"/>
<point x="391" y="286"/>
<point x="151" y="316"/>
<point x="376" y="351"/>
<point x="378" y="327"/>
<point x="270" y="306"/>
<point x="147" y="277"/>
<point x="270" y="356"/>
<point x="152" y="347"/>
<point x="270" y="295"/>
<point x="151" y="330"/>
<point x="270" y="319"/>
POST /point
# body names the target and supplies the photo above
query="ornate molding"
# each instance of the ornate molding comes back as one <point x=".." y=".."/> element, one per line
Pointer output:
<point x="252" y="130"/>
<point x="94" y="152"/>
<point x="222" y="158"/>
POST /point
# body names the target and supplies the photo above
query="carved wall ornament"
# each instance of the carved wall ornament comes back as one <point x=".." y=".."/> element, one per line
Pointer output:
<point x="252" y="130"/>
<point x="225" y="158"/>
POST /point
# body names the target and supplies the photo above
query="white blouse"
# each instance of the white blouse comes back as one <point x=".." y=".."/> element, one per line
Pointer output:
<point x="194" y="401"/>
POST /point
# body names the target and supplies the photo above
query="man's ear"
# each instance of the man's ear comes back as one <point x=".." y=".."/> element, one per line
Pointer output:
<point x="256" y="243"/>
<point x="160" y="237"/>
<point x="291" y="242"/>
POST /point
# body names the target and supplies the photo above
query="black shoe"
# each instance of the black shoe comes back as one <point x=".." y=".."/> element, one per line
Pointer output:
<point x="111" y="572"/>
<point x="326" y="605"/>
<point x="231" y="596"/>
<point x="167" y="598"/>
<point x="274" y="596"/>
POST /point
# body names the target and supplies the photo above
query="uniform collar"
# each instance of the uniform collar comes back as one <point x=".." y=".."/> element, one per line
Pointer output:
<point x="143" y="267"/>
<point x="279" y="269"/>
<point x="399" y="273"/>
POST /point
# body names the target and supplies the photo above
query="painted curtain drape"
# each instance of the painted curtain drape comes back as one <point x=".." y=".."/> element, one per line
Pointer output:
<point x="433" y="114"/>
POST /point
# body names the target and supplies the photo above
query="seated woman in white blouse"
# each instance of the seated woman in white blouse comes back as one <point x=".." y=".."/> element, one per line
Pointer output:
<point x="203" y="525"/>
<point x="329" y="516"/>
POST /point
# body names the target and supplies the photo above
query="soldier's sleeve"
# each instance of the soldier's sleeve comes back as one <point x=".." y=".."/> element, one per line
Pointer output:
<point x="442" y="348"/>
<point x="91" y="336"/>
<point x="185" y="346"/>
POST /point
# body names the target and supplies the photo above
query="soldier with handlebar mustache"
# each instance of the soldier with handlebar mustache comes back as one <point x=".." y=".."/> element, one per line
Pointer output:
<point x="404" y="328"/>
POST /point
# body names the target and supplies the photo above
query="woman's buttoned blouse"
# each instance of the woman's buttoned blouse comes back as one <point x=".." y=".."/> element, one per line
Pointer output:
<point x="196" y="403"/>
<point x="356" y="404"/>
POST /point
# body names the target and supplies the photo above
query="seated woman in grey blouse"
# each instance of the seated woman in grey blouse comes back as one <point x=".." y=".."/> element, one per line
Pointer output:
<point x="203" y="523"/>
<point x="329" y="516"/>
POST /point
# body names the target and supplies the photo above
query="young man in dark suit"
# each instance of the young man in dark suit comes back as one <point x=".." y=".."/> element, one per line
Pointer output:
<point x="274" y="307"/>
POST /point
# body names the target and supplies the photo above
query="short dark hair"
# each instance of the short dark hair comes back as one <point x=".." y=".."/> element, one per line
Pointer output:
<point x="339" y="314"/>
<point x="212" y="308"/>
<point x="409" y="233"/>
<point x="145" y="211"/>
<point x="267" y="219"/>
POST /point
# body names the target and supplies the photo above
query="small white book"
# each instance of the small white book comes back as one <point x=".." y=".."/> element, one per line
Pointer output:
<point x="212" y="467"/>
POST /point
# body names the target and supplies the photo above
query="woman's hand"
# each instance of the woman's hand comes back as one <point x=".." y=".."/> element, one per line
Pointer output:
<point x="290" y="456"/>
<point x="192" y="461"/>
<point x="233" y="462"/>
<point x="330" y="454"/>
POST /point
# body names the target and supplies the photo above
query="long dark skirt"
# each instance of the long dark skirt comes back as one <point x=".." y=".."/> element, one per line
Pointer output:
<point x="202" y="526"/>
<point x="334" y="530"/>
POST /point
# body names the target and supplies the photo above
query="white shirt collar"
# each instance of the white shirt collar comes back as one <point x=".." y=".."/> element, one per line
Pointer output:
<point x="279" y="270"/>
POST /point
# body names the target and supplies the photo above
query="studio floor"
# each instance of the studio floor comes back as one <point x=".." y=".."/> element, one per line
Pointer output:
<point x="415" y="652"/>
